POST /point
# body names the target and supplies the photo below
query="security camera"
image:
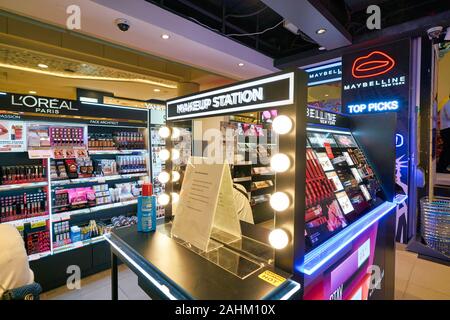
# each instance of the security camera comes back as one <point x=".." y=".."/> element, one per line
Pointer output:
<point x="434" y="33"/>
<point x="123" y="24"/>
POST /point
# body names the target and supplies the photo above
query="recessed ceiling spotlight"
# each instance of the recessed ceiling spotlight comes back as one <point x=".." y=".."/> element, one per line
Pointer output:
<point x="240" y="64"/>
<point x="32" y="92"/>
<point x="165" y="36"/>
<point x="322" y="48"/>
<point x="43" y="66"/>
<point x="326" y="94"/>
<point x="321" y="31"/>
<point x="157" y="90"/>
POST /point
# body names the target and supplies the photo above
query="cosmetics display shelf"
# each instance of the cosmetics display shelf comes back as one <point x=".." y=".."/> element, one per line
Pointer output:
<point x="20" y="186"/>
<point x="32" y="220"/>
<point x="101" y="179"/>
<point x="37" y="256"/>
<point x="56" y="217"/>
<point x="113" y="152"/>
<point x="77" y="244"/>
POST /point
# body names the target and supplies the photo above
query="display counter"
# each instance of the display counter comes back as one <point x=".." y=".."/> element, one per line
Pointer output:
<point x="167" y="269"/>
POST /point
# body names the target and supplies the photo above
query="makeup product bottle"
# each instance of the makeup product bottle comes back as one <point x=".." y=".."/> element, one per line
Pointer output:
<point x="146" y="209"/>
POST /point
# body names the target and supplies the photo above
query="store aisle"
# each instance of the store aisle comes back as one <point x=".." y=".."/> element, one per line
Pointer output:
<point x="416" y="279"/>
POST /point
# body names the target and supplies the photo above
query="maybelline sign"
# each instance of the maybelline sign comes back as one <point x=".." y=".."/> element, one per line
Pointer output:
<point x="323" y="117"/>
<point x="376" y="80"/>
<point x="274" y="91"/>
<point x="324" y="74"/>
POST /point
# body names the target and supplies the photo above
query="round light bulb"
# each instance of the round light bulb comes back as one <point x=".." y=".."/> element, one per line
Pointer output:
<point x="164" y="154"/>
<point x="175" y="176"/>
<point x="164" y="132"/>
<point x="176" y="133"/>
<point x="175" y="197"/>
<point x="163" y="199"/>
<point x="282" y="124"/>
<point x="279" y="201"/>
<point x="280" y="162"/>
<point x="278" y="238"/>
<point x="164" y="177"/>
<point x="175" y="154"/>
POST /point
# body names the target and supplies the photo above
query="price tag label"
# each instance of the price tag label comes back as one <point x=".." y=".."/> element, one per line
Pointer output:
<point x="272" y="278"/>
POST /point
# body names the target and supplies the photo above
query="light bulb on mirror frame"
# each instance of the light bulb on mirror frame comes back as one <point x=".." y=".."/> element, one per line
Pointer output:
<point x="164" y="132"/>
<point x="175" y="176"/>
<point x="279" y="201"/>
<point x="164" y="154"/>
<point x="278" y="239"/>
<point x="164" y="177"/>
<point x="280" y="162"/>
<point x="176" y="133"/>
<point x="282" y="124"/>
<point x="175" y="197"/>
<point x="163" y="199"/>
<point x="175" y="154"/>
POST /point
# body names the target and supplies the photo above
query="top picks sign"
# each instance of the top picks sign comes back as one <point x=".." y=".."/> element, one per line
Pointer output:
<point x="264" y="93"/>
<point x="376" y="80"/>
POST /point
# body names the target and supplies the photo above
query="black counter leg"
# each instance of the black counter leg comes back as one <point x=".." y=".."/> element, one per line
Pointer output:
<point x="114" y="278"/>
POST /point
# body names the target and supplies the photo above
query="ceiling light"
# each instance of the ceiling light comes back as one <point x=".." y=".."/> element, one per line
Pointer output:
<point x="321" y="31"/>
<point x="43" y="66"/>
<point x="240" y="64"/>
<point x="278" y="238"/>
<point x="156" y="90"/>
<point x="322" y="48"/>
<point x="326" y="95"/>
<point x="32" y="92"/>
<point x="165" y="36"/>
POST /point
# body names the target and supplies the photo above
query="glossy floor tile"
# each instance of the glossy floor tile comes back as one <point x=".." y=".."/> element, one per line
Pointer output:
<point x="415" y="279"/>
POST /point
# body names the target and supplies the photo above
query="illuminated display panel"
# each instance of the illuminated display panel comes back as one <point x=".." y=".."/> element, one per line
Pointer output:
<point x="340" y="185"/>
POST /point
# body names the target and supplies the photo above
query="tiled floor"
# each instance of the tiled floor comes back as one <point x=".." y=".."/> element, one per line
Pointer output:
<point x="416" y="279"/>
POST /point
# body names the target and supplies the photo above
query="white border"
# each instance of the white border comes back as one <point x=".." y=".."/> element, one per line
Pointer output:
<point x="290" y="100"/>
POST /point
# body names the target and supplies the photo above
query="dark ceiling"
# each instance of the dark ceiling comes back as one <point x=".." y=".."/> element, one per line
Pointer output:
<point x="241" y="19"/>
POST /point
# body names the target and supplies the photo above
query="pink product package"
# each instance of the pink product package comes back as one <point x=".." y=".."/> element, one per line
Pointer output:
<point x="81" y="195"/>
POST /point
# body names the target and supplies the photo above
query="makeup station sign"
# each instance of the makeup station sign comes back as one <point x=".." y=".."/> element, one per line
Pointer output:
<point x="35" y="108"/>
<point x="274" y="91"/>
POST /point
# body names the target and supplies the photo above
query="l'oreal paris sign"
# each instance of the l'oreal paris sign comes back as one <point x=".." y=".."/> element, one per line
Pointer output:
<point x="268" y="92"/>
<point x="41" y="104"/>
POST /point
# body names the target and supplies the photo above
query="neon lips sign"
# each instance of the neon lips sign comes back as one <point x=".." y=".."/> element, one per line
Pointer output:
<point x="369" y="68"/>
<point x="374" y="64"/>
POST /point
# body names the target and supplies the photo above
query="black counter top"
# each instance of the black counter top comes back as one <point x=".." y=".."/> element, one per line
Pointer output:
<point x="189" y="274"/>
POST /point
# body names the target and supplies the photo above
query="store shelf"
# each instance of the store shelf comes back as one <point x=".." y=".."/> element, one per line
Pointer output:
<point x="106" y="152"/>
<point x="9" y="187"/>
<point x="103" y="179"/>
<point x="32" y="220"/>
<point x="242" y="179"/>
<point x="78" y="244"/>
<point x="38" y="256"/>
<point x="68" y="214"/>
